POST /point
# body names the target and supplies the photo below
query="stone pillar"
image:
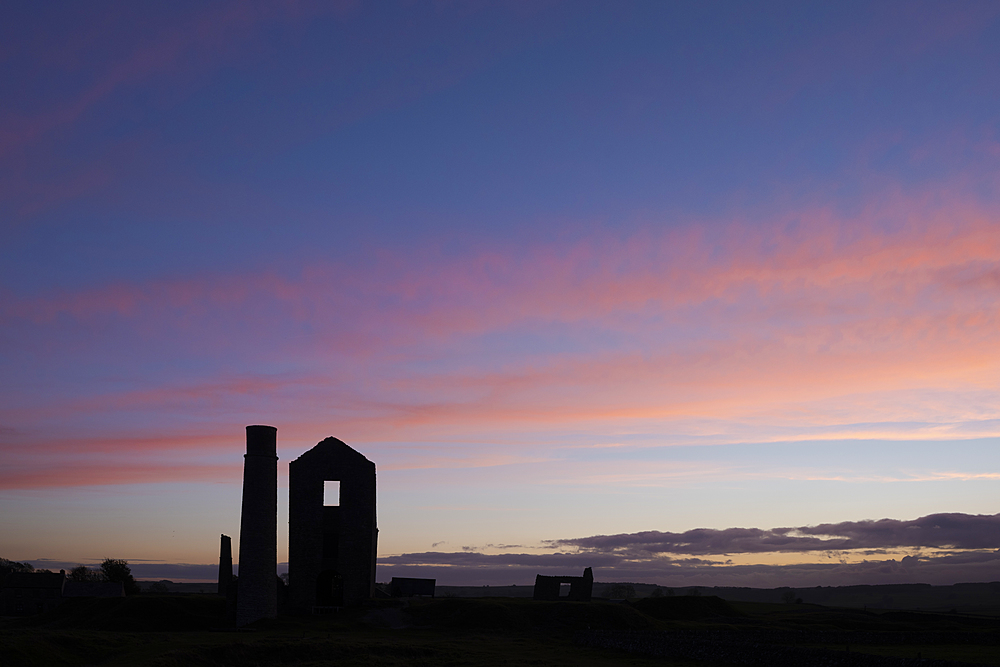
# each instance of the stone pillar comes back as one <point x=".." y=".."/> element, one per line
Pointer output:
<point x="225" y="564"/>
<point x="258" y="591"/>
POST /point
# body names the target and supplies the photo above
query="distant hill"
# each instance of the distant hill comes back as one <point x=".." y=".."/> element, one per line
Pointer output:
<point x="967" y="598"/>
<point x="971" y="598"/>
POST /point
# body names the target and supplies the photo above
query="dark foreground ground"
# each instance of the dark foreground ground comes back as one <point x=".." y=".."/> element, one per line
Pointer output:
<point x="681" y="630"/>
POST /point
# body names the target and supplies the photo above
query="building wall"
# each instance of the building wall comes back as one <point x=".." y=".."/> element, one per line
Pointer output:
<point x="550" y="588"/>
<point x="330" y="542"/>
<point x="26" y="593"/>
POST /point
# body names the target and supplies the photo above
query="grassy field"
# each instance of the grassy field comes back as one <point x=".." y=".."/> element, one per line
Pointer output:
<point x="185" y="630"/>
<point x="167" y="630"/>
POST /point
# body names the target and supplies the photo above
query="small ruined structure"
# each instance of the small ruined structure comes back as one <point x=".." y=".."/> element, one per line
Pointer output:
<point x="407" y="587"/>
<point x="331" y="549"/>
<point x="25" y="593"/>
<point x="257" y="591"/>
<point x="580" y="589"/>
<point x="226" y="563"/>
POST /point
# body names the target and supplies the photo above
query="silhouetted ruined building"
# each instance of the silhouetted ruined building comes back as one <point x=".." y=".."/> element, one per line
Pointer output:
<point x="25" y="593"/>
<point x="226" y="563"/>
<point x="408" y="587"/>
<point x="579" y="589"/>
<point x="331" y="549"/>
<point x="257" y="591"/>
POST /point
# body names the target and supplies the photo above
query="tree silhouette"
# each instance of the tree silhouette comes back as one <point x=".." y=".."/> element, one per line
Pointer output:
<point x="8" y="566"/>
<point x="83" y="573"/>
<point x="619" y="591"/>
<point x="159" y="586"/>
<point x="118" y="571"/>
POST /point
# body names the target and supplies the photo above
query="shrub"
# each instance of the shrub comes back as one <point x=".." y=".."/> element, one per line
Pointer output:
<point x="119" y="571"/>
<point x="619" y="591"/>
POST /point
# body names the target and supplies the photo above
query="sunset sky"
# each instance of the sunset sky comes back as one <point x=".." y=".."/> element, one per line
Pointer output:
<point x="692" y="293"/>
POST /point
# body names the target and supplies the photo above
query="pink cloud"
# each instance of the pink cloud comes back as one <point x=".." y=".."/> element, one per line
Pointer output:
<point x="60" y="475"/>
<point x="810" y="324"/>
<point x="110" y="444"/>
<point x="213" y="30"/>
<point x="74" y="76"/>
<point x="784" y="264"/>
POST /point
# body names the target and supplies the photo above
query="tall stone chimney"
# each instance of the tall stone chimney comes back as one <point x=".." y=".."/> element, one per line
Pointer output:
<point x="258" y="557"/>
<point x="225" y="564"/>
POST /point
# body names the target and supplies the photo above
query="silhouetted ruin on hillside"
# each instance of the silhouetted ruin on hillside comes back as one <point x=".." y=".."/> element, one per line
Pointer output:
<point x="331" y="549"/>
<point x="31" y="592"/>
<point x="27" y="593"/>
<point x="332" y="543"/>
<point x="579" y="589"/>
<point x="225" y="564"/>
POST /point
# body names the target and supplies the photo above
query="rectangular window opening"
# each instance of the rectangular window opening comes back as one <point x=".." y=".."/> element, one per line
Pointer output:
<point x="331" y="494"/>
<point x="564" y="590"/>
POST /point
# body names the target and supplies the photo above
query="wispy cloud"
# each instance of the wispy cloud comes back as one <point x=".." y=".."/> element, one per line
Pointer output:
<point x="942" y="531"/>
<point x="212" y="34"/>
<point x="815" y="326"/>
<point x="451" y="569"/>
<point x="71" y="475"/>
<point x="828" y="554"/>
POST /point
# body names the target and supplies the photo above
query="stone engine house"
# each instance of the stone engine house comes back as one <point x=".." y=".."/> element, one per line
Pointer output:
<point x="331" y="549"/>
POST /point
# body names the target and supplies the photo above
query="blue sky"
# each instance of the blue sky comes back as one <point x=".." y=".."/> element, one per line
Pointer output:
<point x="559" y="269"/>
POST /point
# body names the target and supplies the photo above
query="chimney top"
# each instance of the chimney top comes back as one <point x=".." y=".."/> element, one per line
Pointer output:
<point x="262" y="440"/>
